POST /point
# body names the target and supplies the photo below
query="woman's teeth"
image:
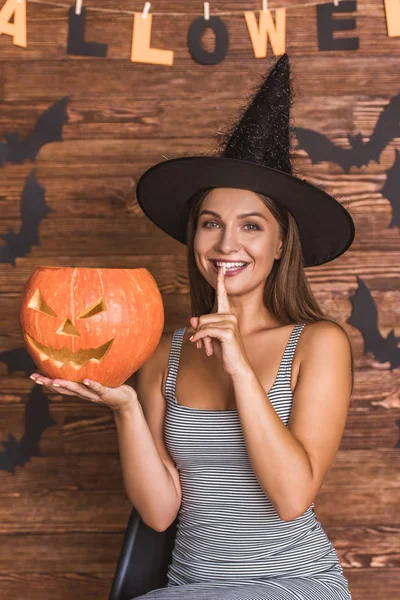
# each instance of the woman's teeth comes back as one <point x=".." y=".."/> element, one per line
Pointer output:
<point x="231" y="268"/>
<point x="230" y="265"/>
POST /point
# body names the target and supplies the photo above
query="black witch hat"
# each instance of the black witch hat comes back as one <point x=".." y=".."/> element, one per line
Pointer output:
<point x="256" y="157"/>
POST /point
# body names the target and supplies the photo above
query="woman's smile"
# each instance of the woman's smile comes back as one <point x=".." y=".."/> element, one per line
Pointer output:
<point x="229" y="272"/>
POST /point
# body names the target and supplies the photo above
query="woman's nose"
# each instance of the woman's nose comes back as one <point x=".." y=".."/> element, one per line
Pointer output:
<point x="227" y="242"/>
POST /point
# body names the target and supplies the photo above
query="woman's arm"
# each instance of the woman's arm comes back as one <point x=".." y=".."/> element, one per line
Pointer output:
<point x="150" y="477"/>
<point x="290" y="462"/>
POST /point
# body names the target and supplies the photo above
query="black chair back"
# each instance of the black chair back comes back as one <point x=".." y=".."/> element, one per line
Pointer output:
<point x="143" y="560"/>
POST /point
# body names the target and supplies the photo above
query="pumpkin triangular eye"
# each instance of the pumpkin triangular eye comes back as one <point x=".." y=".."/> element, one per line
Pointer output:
<point x="96" y="307"/>
<point x="37" y="303"/>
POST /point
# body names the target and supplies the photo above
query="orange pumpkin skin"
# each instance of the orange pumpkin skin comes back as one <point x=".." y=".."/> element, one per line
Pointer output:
<point x="100" y="324"/>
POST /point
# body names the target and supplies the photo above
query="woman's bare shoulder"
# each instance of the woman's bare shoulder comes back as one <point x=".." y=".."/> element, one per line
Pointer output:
<point x="160" y="354"/>
<point x="320" y="335"/>
<point x="149" y="379"/>
<point x="323" y="329"/>
<point x="158" y="361"/>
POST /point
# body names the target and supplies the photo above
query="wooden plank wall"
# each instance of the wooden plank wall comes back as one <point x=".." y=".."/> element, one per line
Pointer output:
<point x="63" y="513"/>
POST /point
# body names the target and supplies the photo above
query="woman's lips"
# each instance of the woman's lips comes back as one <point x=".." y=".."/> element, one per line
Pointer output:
<point x="228" y="272"/>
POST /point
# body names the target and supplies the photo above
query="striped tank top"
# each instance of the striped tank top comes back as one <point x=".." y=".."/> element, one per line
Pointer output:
<point x="228" y="531"/>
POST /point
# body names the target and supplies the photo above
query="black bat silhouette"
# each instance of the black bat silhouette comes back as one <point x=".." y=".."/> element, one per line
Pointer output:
<point x="48" y="129"/>
<point x="391" y="190"/>
<point x="33" y="210"/>
<point x="18" y="359"/>
<point x="321" y="148"/>
<point x="37" y="419"/>
<point x="364" y="316"/>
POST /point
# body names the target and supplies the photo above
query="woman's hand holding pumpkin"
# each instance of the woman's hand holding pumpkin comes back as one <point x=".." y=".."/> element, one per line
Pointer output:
<point x="115" y="398"/>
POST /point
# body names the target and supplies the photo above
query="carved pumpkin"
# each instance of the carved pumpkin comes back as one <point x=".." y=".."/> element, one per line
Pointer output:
<point x="81" y="322"/>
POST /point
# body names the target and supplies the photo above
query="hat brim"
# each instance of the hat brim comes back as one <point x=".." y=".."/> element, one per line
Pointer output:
<point x="326" y="228"/>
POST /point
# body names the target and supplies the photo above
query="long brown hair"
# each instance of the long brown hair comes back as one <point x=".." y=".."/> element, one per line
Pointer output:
<point x="287" y="294"/>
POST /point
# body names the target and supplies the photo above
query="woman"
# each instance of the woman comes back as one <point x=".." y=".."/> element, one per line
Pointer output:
<point x="240" y="443"/>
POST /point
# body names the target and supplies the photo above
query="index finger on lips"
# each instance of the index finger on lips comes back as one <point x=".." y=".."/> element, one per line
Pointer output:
<point x="223" y="305"/>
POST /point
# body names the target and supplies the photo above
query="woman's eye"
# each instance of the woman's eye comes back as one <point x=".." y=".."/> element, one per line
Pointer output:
<point x="207" y="223"/>
<point x="251" y="224"/>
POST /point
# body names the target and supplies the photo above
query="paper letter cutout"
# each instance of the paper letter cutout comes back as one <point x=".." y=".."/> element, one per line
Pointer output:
<point x="198" y="53"/>
<point x="392" y="10"/>
<point x="266" y="27"/>
<point x="76" y="36"/>
<point x="17" y="29"/>
<point x="326" y="27"/>
<point x="141" y="39"/>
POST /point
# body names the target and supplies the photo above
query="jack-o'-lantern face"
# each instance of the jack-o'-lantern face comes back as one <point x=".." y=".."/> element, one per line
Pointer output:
<point x="67" y="328"/>
<point x="82" y="322"/>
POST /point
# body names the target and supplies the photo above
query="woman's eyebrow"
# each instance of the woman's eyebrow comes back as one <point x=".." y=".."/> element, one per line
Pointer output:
<point x="242" y="216"/>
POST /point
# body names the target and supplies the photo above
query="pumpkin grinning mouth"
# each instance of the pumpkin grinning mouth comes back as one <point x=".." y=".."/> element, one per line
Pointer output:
<point x="65" y="356"/>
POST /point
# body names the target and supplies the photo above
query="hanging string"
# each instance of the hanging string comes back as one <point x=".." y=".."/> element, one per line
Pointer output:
<point x="180" y="14"/>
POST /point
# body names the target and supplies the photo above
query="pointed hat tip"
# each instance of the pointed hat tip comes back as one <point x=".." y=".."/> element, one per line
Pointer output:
<point x="283" y="61"/>
<point x="280" y="68"/>
<point x="278" y="74"/>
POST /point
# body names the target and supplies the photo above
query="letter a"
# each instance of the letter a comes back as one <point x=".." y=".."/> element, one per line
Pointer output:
<point x="17" y="29"/>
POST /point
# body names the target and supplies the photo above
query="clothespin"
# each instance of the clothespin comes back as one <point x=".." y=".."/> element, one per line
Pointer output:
<point x="265" y="5"/>
<point x="146" y="10"/>
<point x="206" y="11"/>
<point x="78" y="7"/>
